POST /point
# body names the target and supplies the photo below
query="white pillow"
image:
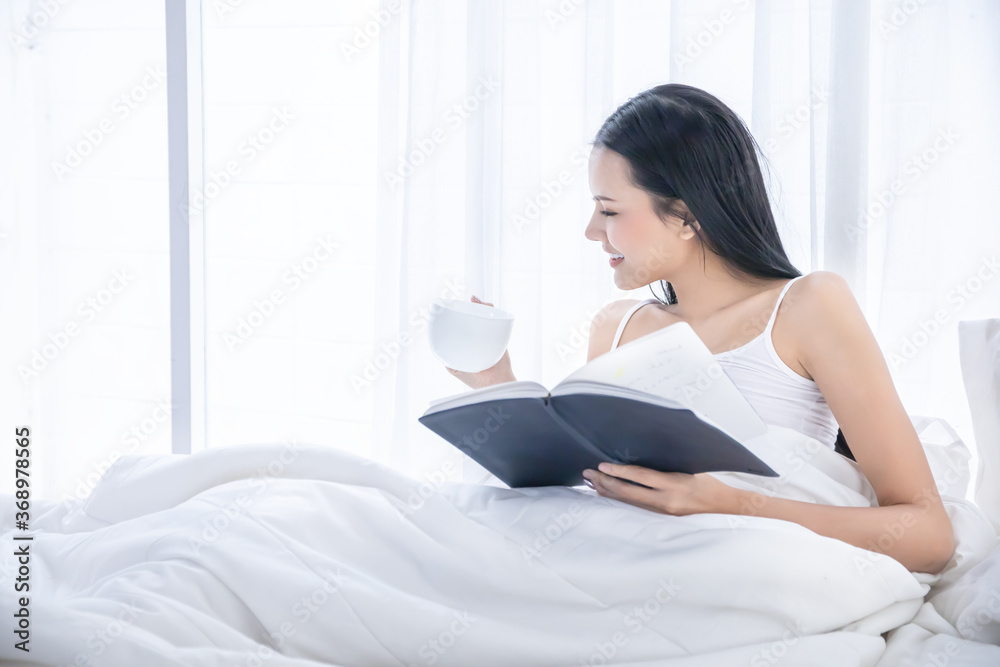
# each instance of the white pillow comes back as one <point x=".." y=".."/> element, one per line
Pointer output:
<point x="979" y="351"/>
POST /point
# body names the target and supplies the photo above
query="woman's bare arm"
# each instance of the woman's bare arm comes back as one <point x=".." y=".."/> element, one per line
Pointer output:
<point x="840" y="352"/>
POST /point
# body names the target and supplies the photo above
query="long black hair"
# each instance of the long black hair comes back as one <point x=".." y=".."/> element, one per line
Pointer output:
<point x="698" y="162"/>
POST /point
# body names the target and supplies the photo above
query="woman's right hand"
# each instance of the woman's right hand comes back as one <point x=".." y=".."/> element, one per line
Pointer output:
<point x="495" y="374"/>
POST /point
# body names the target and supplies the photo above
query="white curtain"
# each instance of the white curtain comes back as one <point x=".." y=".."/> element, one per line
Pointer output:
<point x="84" y="289"/>
<point x="440" y="147"/>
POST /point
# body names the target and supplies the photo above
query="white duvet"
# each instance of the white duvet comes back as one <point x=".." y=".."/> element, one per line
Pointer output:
<point x="284" y="555"/>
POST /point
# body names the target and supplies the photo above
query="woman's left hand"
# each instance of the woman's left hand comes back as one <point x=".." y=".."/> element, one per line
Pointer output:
<point x="675" y="493"/>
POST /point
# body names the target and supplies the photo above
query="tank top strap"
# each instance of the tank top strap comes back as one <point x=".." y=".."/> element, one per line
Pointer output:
<point x="774" y="313"/>
<point x="628" y="314"/>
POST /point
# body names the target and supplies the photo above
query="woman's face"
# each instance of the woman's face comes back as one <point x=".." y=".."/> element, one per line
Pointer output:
<point x="625" y="223"/>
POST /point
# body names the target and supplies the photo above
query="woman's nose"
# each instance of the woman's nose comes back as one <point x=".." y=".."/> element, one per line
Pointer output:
<point x="594" y="231"/>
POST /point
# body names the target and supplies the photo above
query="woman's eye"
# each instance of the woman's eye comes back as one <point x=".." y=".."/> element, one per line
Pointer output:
<point x="608" y="213"/>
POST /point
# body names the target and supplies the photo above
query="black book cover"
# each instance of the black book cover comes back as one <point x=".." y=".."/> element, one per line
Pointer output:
<point x="661" y="401"/>
<point x="543" y="441"/>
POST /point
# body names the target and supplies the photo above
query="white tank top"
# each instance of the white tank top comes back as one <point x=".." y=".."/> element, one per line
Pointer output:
<point x="779" y="395"/>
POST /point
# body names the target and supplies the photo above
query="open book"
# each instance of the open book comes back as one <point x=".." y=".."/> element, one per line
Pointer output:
<point x="661" y="401"/>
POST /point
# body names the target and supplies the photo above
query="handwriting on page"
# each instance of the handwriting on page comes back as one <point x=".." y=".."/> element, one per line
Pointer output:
<point x="662" y="373"/>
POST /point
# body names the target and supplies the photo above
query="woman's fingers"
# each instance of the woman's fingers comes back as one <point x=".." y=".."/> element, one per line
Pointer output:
<point x="476" y="299"/>
<point x="645" y="476"/>
<point x="649" y="499"/>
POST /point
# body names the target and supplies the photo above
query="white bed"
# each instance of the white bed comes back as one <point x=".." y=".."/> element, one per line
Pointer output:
<point x="277" y="555"/>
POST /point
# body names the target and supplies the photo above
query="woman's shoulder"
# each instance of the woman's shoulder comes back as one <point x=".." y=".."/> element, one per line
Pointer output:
<point x="606" y="321"/>
<point x="814" y="296"/>
<point x="819" y="302"/>
<point x="616" y="310"/>
<point x="821" y="280"/>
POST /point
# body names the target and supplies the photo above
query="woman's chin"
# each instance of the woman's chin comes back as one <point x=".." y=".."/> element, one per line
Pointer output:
<point x="624" y="282"/>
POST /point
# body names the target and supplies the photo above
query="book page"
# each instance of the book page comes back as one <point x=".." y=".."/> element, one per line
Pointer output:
<point x="675" y="364"/>
<point x="515" y="389"/>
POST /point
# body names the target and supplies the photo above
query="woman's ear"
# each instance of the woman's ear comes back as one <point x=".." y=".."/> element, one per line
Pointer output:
<point x="681" y="210"/>
<point x="688" y="229"/>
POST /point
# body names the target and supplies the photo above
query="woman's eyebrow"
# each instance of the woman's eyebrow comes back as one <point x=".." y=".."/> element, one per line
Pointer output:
<point x="599" y="197"/>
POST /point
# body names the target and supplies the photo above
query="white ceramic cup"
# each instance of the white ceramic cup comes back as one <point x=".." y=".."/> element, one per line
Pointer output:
<point x="468" y="336"/>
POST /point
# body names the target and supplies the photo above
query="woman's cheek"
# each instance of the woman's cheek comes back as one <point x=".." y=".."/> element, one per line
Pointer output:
<point x="620" y="234"/>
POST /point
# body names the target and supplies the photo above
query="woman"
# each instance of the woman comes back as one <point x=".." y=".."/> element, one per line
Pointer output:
<point x="680" y="198"/>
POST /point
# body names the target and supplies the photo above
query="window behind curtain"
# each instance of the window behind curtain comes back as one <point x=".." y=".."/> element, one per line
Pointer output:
<point x="83" y="237"/>
<point x="290" y="113"/>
